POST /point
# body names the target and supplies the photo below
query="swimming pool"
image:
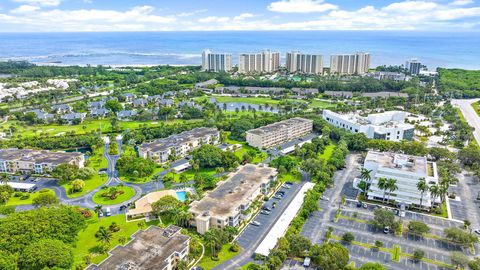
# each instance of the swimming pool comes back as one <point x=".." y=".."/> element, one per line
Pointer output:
<point x="182" y="196"/>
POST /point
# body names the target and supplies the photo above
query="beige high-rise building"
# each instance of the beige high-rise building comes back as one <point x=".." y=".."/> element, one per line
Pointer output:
<point x="348" y="64"/>
<point x="265" y="61"/>
<point x="279" y="132"/>
<point x="304" y="63"/>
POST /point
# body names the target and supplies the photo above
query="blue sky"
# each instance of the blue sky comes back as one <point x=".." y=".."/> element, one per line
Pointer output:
<point x="215" y="15"/>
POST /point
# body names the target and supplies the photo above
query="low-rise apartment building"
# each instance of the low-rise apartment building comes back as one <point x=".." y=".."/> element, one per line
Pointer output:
<point x="228" y="204"/>
<point x="407" y="171"/>
<point x="14" y="160"/>
<point x="388" y="126"/>
<point x="279" y="132"/>
<point x="153" y="248"/>
<point x="178" y="145"/>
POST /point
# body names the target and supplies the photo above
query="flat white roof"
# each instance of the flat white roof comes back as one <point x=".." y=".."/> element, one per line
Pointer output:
<point x="281" y="226"/>
<point x="17" y="185"/>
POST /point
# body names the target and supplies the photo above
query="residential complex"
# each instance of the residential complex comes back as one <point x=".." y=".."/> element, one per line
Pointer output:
<point x="304" y="63"/>
<point x="153" y="248"/>
<point x="178" y="145"/>
<point x="264" y="62"/>
<point x="216" y="61"/>
<point x="348" y="64"/>
<point x="413" y="66"/>
<point x="407" y="171"/>
<point x="14" y="160"/>
<point x="279" y="132"/>
<point x="388" y="126"/>
<point x="228" y="204"/>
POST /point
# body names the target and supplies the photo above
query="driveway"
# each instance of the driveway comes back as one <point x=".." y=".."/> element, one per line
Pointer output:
<point x="470" y="115"/>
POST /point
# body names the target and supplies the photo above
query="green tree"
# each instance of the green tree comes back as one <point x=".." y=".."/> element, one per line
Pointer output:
<point x="392" y="186"/>
<point x="8" y="261"/>
<point x="113" y="105"/>
<point x="348" y="237"/>
<point x="460" y="236"/>
<point x="65" y="172"/>
<point x="384" y="218"/>
<point x="165" y="204"/>
<point x="458" y="259"/>
<point x="104" y="235"/>
<point x="45" y="199"/>
<point x="366" y="177"/>
<point x="418" y="254"/>
<point x="332" y="256"/>
<point x="422" y="187"/>
<point x="46" y="253"/>
<point x="372" y="266"/>
<point x="78" y="185"/>
<point x="418" y="228"/>
<point x="383" y="185"/>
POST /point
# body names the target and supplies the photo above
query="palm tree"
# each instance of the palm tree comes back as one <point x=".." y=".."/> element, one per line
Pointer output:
<point x="434" y="192"/>
<point x="383" y="185"/>
<point x="211" y="236"/>
<point x="422" y="187"/>
<point x="104" y="235"/>
<point x="392" y="186"/>
<point x="98" y="209"/>
<point x="366" y="177"/>
<point x="4" y="178"/>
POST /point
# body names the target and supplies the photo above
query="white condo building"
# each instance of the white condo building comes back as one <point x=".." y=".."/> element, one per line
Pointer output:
<point x="265" y="61"/>
<point x="304" y="63"/>
<point x="413" y="66"/>
<point x="347" y="64"/>
<point x="216" y="61"/>
<point x="388" y="126"/>
<point x="407" y="171"/>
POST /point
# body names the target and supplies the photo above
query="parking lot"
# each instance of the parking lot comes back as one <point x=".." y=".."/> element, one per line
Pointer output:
<point x="355" y="219"/>
<point x="251" y="237"/>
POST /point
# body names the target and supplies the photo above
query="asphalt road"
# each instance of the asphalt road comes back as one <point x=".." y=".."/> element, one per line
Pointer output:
<point x="470" y="115"/>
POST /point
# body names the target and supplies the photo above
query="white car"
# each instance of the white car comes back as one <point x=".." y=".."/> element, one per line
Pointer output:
<point x="256" y="223"/>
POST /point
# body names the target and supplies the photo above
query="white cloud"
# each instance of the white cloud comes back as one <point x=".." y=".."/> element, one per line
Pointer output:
<point x="24" y="9"/>
<point x="45" y="3"/>
<point x="301" y="6"/>
<point x="243" y="16"/>
<point x="188" y="14"/>
<point x="462" y="2"/>
<point x="212" y="19"/>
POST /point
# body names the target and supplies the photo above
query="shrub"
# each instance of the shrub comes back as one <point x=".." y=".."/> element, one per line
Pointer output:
<point x="234" y="248"/>
<point x="25" y="197"/>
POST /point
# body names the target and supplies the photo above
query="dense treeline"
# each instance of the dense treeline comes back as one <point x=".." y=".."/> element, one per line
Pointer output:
<point x="55" y="228"/>
<point x="459" y="82"/>
<point x="354" y="84"/>
<point x="60" y="142"/>
<point x="25" y="69"/>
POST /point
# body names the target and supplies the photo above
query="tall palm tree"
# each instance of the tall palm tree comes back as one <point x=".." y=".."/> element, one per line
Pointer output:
<point x="212" y="238"/>
<point x="382" y="184"/>
<point x="392" y="186"/>
<point x="4" y="178"/>
<point x="422" y="187"/>
<point x="104" y="235"/>
<point x="366" y="177"/>
<point x="434" y="192"/>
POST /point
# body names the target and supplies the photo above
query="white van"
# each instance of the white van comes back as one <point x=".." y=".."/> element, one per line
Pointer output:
<point x="108" y="212"/>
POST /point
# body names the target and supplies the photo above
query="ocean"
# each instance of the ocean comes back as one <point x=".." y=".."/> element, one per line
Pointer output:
<point x="434" y="49"/>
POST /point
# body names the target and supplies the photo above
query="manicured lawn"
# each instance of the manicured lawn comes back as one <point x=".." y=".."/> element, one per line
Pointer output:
<point x="225" y="254"/>
<point x="327" y="152"/>
<point x="17" y="201"/>
<point x="191" y="174"/>
<point x="259" y="157"/>
<point x="86" y="241"/>
<point x="99" y="199"/>
<point x="475" y="107"/>
<point x="83" y="128"/>
<point x="96" y="161"/>
<point x="293" y="177"/>
<point x="320" y="104"/>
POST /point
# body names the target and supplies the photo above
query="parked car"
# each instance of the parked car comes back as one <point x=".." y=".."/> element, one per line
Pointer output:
<point x="266" y="208"/>
<point x="359" y="204"/>
<point x="265" y="212"/>
<point x="306" y="262"/>
<point x="365" y="205"/>
<point x="256" y="223"/>
<point x="477" y="231"/>
<point x="289" y="183"/>
<point x="386" y="230"/>
<point x="108" y="212"/>
<point x="402" y="214"/>
<point x="286" y="186"/>
<point x="325" y="198"/>
<point x="278" y="197"/>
